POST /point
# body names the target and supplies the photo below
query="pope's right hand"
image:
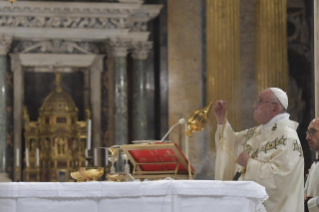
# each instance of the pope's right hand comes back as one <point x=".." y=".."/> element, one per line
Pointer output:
<point x="220" y="110"/>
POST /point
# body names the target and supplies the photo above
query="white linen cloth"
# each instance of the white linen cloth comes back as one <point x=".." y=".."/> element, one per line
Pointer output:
<point x="155" y="196"/>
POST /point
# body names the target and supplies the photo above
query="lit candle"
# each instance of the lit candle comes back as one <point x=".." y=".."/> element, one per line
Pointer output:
<point x="17" y="162"/>
<point x="95" y="157"/>
<point x="89" y="134"/>
<point x="86" y="155"/>
<point x="38" y="157"/>
<point x="27" y="157"/>
<point x="106" y="157"/>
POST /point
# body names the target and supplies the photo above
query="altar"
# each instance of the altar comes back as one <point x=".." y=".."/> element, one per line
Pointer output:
<point x="156" y="196"/>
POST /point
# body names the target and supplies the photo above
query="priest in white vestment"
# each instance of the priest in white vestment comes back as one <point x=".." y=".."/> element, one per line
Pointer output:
<point x="312" y="184"/>
<point x="270" y="152"/>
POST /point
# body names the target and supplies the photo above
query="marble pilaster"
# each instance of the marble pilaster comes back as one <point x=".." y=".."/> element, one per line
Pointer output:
<point x="95" y="77"/>
<point x="316" y="55"/>
<point x="18" y="94"/>
<point x="5" y="43"/>
<point x="185" y="92"/>
<point x="140" y="53"/>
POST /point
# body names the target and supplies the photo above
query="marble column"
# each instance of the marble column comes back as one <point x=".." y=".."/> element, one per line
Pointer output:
<point x="5" y="43"/>
<point x="140" y="53"/>
<point x="119" y="50"/>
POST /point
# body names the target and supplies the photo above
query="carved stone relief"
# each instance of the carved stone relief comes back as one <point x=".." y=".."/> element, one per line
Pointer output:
<point x="64" y="22"/>
<point x="141" y="49"/>
<point x="5" y="43"/>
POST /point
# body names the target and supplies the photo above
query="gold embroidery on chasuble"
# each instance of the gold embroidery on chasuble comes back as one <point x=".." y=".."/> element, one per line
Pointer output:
<point x="250" y="133"/>
<point x="298" y="148"/>
<point x="269" y="146"/>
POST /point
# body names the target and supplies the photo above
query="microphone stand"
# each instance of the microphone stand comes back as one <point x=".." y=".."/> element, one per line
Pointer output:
<point x="181" y="121"/>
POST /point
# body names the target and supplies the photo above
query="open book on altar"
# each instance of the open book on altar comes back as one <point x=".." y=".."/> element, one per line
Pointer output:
<point x="157" y="160"/>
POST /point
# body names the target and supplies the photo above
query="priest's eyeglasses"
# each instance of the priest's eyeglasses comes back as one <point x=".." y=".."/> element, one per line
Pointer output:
<point x="260" y="101"/>
<point x="310" y="132"/>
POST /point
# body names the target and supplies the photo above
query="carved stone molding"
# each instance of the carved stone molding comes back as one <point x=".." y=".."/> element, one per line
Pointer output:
<point x="125" y="14"/>
<point x="56" y="46"/>
<point x="64" y="22"/>
<point x="118" y="47"/>
<point x="141" y="49"/>
<point x="5" y="43"/>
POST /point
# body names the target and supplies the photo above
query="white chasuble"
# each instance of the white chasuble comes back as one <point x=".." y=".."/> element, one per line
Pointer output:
<point x="276" y="162"/>
<point x="312" y="188"/>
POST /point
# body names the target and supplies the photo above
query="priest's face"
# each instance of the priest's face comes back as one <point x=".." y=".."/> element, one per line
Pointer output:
<point x="264" y="107"/>
<point x="313" y="135"/>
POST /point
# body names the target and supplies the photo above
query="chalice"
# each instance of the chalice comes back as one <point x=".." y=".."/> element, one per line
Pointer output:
<point x="77" y="176"/>
<point x="91" y="173"/>
<point x="113" y="158"/>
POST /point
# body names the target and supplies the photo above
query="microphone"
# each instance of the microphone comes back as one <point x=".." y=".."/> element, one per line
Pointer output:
<point x="181" y="121"/>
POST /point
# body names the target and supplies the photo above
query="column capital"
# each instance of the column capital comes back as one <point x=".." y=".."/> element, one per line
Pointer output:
<point x="118" y="47"/>
<point x="140" y="49"/>
<point x="5" y="43"/>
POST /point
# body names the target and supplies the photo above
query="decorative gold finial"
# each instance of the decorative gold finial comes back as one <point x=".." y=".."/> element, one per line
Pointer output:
<point x="12" y="1"/>
<point x="87" y="114"/>
<point x="198" y="120"/>
<point x="58" y="82"/>
<point x="26" y="117"/>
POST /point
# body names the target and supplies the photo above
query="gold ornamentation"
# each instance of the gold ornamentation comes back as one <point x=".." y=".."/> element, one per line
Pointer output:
<point x="269" y="146"/>
<point x="250" y="133"/>
<point x="274" y="127"/>
<point x="59" y="137"/>
<point x="91" y="173"/>
<point x="198" y="120"/>
<point x="298" y="148"/>
<point x="12" y="1"/>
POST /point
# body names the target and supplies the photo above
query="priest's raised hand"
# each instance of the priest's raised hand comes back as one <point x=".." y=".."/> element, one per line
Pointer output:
<point x="220" y="110"/>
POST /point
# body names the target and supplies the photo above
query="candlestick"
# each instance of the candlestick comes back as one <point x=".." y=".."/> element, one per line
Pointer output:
<point x="106" y="157"/>
<point x="17" y="162"/>
<point x="89" y="134"/>
<point x="86" y="155"/>
<point x="95" y="157"/>
<point x="27" y="157"/>
<point x="38" y="157"/>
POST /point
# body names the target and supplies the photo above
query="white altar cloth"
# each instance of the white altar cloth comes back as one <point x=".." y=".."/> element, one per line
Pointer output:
<point x="148" y="196"/>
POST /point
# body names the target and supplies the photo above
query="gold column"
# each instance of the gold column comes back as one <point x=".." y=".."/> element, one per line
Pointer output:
<point x="223" y="61"/>
<point x="271" y="44"/>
